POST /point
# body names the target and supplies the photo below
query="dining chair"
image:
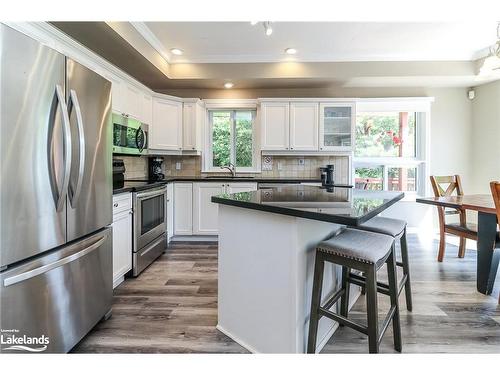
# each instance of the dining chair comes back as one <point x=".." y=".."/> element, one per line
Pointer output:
<point x="363" y="185"/>
<point x="445" y="186"/>
<point x="495" y="191"/>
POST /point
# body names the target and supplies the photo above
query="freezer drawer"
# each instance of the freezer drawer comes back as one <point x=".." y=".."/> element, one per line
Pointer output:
<point x="60" y="296"/>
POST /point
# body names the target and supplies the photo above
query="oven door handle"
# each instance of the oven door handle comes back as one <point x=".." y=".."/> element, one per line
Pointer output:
<point x="149" y="194"/>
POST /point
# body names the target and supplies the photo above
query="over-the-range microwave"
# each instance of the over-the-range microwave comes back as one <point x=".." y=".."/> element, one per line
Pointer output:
<point x="130" y="136"/>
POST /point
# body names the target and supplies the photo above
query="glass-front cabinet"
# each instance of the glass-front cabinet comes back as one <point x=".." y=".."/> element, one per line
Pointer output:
<point x="336" y="126"/>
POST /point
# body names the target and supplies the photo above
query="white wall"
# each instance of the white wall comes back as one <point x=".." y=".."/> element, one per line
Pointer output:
<point x="485" y="137"/>
<point x="450" y="153"/>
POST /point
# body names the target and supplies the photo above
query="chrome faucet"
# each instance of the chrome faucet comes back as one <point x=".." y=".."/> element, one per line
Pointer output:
<point x="231" y="169"/>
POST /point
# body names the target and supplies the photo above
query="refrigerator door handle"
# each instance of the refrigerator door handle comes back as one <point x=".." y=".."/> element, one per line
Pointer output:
<point x="60" y="196"/>
<point x="73" y="103"/>
<point x="47" y="267"/>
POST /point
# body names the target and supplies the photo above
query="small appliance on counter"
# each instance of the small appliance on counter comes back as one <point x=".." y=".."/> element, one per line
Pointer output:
<point x="327" y="175"/>
<point x="155" y="170"/>
<point x="118" y="173"/>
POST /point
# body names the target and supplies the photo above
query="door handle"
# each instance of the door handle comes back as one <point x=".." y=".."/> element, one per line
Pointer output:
<point x="73" y="103"/>
<point x="47" y="267"/>
<point x="153" y="193"/>
<point x="59" y="196"/>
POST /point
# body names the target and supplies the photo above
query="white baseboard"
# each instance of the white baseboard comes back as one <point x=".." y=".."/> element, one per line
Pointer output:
<point x="118" y="281"/>
<point x="194" y="239"/>
<point x="237" y="340"/>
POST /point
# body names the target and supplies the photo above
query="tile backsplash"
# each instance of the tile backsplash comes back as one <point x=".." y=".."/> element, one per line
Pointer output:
<point x="135" y="166"/>
<point x="305" y="166"/>
<point x="279" y="166"/>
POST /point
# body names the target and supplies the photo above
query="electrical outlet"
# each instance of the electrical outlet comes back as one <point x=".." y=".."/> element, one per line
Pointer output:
<point x="280" y="166"/>
<point x="301" y="161"/>
<point x="178" y="166"/>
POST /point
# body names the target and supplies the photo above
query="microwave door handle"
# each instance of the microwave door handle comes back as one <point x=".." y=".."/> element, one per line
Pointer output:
<point x="60" y="196"/>
<point x="140" y="146"/>
<point x="74" y="103"/>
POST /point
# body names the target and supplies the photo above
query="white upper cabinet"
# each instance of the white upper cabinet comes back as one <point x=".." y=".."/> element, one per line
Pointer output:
<point x="128" y="99"/>
<point x="275" y="125"/>
<point x="147" y="109"/>
<point x="166" y="128"/>
<point x="336" y="126"/>
<point x="133" y="102"/>
<point x="117" y="92"/>
<point x="304" y="126"/>
<point x="193" y="121"/>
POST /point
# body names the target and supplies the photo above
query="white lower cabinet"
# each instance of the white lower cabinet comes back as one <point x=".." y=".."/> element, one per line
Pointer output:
<point x="183" y="209"/>
<point x="122" y="236"/>
<point x="240" y="187"/>
<point x="194" y="213"/>
<point x="205" y="213"/>
<point x="170" y="211"/>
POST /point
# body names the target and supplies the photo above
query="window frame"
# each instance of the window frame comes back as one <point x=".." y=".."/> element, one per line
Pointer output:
<point x="419" y="161"/>
<point x="208" y="162"/>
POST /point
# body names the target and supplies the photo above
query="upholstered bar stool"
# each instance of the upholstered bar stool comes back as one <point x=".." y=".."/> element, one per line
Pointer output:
<point x="363" y="251"/>
<point x="396" y="229"/>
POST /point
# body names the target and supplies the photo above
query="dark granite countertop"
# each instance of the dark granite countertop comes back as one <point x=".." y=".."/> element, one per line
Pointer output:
<point x="142" y="184"/>
<point x="339" y="205"/>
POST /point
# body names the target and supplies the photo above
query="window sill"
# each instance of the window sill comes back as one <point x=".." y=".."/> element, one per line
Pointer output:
<point x="224" y="171"/>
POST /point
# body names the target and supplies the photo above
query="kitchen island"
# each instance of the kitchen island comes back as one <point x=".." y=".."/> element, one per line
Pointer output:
<point x="267" y="240"/>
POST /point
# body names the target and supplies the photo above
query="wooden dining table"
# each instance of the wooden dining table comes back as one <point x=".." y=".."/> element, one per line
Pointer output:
<point x="487" y="241"/>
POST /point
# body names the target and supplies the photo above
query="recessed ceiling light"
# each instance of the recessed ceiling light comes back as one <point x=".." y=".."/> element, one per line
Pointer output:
<point x="268" y="28"/>
<point x="228" y="85"/>
<point x="176" y="51"/>
<point x="291" y="51"/>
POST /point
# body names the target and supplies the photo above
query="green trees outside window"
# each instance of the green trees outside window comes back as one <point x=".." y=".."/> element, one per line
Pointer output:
<point x="232" y="138"/>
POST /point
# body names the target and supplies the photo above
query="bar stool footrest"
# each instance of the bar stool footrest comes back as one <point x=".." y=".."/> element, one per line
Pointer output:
<point x="381" y="287"/>
<point x="340" y="319"/>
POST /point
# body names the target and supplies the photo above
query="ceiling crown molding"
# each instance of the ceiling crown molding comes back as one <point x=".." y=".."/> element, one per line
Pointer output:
<point x="151" y="38"/>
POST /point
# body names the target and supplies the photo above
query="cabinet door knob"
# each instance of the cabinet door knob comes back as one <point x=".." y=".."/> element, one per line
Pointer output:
<point x="193" y="148"/>
<point x="291" y="148"/>
<point x="115" y="205"/>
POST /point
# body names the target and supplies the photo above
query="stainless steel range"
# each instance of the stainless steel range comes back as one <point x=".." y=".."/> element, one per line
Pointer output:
<point x="150" y="224"/>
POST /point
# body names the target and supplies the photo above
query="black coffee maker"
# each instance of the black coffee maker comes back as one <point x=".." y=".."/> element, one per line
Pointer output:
<point x="155" y="170"/>
<point x="327" y="175"/>
<point x="118" y="173"/>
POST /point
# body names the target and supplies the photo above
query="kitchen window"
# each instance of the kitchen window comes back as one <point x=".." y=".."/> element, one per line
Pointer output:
<point x="390" y="149"/>
<point x="231" y="140"/>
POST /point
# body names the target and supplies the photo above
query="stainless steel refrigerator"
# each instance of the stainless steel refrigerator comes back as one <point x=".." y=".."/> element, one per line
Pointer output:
<point x="55" y="196"/>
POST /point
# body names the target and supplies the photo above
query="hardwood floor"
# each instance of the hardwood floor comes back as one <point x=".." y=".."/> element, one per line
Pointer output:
<point x="172" y="308"/>
<point x="449" y="315"/>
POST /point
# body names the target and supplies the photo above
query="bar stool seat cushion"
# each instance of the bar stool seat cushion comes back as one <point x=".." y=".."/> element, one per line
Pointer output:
<point x="385" y="225"/>
<point x="359" y="245"/>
